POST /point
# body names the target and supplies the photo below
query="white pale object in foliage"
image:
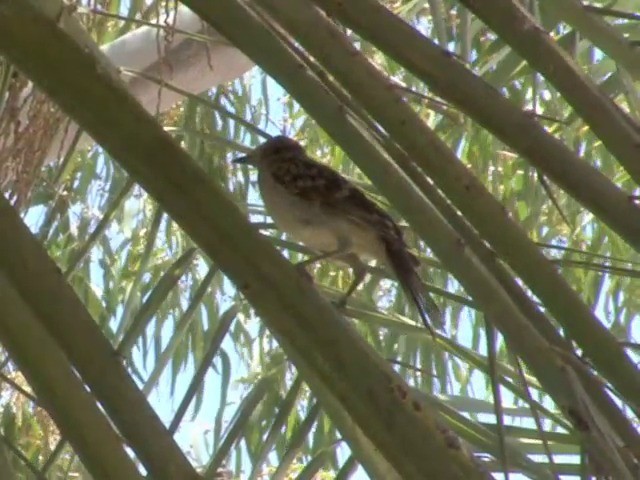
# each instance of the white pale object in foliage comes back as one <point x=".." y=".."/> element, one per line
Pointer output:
<point x="190" y="64"/>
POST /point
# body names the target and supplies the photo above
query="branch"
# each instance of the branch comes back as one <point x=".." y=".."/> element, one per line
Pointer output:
<point x="618" y="132"/>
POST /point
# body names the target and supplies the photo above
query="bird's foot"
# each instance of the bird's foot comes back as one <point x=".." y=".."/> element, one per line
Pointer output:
<point x="340" y="303"/>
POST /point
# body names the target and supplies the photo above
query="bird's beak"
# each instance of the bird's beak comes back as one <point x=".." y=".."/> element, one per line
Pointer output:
<point x="244" y="160"/>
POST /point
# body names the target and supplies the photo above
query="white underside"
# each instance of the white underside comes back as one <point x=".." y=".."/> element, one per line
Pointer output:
<point x="308" y="224"/>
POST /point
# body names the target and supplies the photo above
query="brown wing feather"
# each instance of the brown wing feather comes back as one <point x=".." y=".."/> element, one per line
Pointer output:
<point x="324" y="186"/>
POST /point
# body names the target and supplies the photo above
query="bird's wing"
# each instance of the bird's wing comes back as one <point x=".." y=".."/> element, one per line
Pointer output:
<point x="323" y="186"/>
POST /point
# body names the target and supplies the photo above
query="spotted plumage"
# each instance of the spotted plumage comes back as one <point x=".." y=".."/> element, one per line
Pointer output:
<point x="320" y="208"/>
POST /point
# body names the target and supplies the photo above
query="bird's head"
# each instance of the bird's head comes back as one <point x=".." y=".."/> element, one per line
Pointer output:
<point x="276" y="148"/>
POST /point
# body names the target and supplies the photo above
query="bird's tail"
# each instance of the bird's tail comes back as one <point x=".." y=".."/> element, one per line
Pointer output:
<point x="404" y="266"/>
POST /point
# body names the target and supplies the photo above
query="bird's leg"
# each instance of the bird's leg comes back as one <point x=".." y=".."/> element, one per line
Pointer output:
<point x="344" y="245"/>
<point x="359" y="269"/>
<point x="323" y="256"/>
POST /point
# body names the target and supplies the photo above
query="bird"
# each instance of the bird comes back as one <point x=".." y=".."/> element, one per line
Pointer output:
<point x="318" y="207"/>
